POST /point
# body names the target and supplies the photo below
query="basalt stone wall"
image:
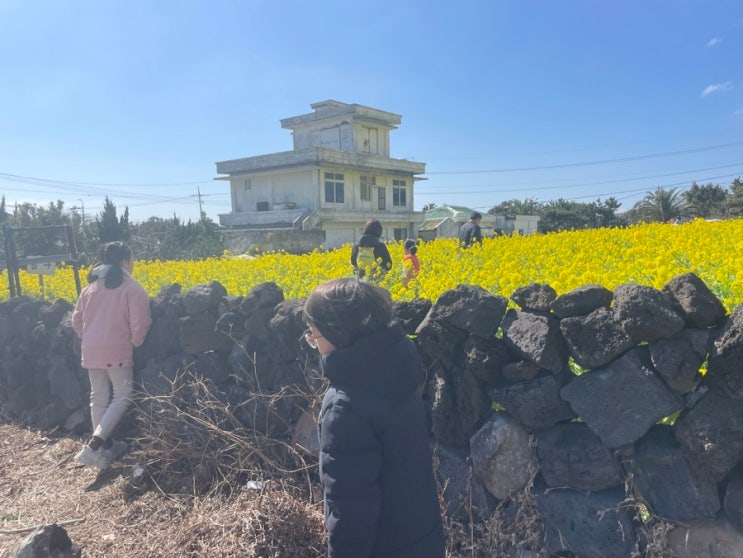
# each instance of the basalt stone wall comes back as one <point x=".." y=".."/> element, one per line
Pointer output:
<point x="591" y="401"/>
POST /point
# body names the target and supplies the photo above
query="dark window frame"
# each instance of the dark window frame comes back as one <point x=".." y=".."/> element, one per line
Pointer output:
<point x="335" y="187"/>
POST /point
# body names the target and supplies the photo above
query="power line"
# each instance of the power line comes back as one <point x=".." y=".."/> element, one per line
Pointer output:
<point x="594" y="163"/>
<point x="597" y="183"/>
<point x="73" y="183"/>
<point x="629" y="192"/>
<point x="18" y="177"/>
<point x="672" y="185"/>
<point x="90" y="188"/>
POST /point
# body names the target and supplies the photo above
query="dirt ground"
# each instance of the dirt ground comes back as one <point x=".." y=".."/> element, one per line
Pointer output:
<point x="110" y="514"/>
<point x="114" y="513"/>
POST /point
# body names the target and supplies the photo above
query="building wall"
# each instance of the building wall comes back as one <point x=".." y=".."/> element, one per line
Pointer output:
<point x="306" y="189"/>
<point x="298" y="187"/>
<point x="338" y="233"/>
<point x="449" y="229"/>
<point x="376" y="182"/>
<point x="336" y="237"/>
<point x="332" y="133"/>
<point x="526" y="224"/>
<point x="340" y="134"/>
<point x="256" y="241"/>
<point x="371" y="139"/>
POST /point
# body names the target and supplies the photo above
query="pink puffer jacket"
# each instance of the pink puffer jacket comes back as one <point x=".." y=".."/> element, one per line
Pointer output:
<point x="111" y="322"/>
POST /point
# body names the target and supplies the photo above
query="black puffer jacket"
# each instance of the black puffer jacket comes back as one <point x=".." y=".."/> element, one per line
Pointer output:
<point x="380" y="251"/>
<point x="375" y="454"/>
<point x="469" y="233"/>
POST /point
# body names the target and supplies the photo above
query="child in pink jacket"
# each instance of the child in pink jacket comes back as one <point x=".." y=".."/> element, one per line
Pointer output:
<point x="411" y="266"/>
<point x="111" y="317"/>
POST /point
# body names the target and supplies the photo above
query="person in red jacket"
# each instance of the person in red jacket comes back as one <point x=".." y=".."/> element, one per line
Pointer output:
<point x="111" y="317"/>
<point x="376" y="465"/>
<point x="411" y="266"/>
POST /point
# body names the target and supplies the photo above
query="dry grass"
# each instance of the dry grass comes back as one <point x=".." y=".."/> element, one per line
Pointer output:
<point x="195" y="498"/>
<point x="513" y="528"/>
<point x="191" y="441"/>
<point x="192" y="500"/>
<point x="41" y="484"/>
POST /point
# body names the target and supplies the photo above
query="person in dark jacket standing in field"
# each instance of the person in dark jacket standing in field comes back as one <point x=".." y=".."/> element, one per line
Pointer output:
<point x="371" y="237"/>
<point x="376" y="466"/>
<point x="470" y="232"/>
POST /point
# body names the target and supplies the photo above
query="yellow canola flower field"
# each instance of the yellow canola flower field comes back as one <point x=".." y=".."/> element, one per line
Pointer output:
<point x="648" y="254"/>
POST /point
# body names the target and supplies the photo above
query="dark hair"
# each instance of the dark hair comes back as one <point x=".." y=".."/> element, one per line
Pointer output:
<point x="374" y="227"/>
<point x="475" y="216"/>
<point x="411" y="246"/>
<point x="113" y="254"/>
<point x="347" y="309"/>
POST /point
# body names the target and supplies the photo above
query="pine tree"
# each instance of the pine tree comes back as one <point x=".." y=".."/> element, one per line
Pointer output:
<point x="110" y="227"/>
<point x="735" y="199"/>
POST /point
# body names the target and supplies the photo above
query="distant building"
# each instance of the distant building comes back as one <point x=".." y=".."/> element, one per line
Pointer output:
<point x="444" y="222"/>
<point x="521" y="224"/>
<point x="338" y="174"/>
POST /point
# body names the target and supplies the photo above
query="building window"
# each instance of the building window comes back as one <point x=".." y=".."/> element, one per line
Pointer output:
<point x="381" y="198"/>
<point x="366" y="186"/>
<point x="399" y="193"/>
<point x="333" y="187"/>
<point x="261" y="206"/>
<point x="247" y="184"/>
<point x="401" y="234"/>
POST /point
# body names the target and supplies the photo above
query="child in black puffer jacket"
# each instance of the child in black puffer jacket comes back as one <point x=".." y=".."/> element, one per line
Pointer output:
<point x="376" y="467"/>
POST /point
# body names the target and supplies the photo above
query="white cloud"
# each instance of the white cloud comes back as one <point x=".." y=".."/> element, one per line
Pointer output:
<point x="738" y="112"/>
<point x="717" y="88"/>
<point x="714" y="41"/>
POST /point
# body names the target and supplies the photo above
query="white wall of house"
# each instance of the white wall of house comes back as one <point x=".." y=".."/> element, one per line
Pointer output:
<point x="526" y="224"/>
<point x="336" y="237"/>
<point x="306" y="188"/>
<point x="334" y="134"/>
<point x="367" y="191"/>
<point x="298" y="187"/>
<point x="338" y="233"/>
<point x="521" y="224"/>
<point x="371" y="139"/>
<point x="340" y="135"/>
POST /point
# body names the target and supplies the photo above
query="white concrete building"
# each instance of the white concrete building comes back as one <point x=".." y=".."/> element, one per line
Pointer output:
<point x="338" y="174"/>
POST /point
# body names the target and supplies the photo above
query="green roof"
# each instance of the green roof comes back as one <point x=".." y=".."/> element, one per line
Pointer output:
<point x="447" y="210"/>
<point x="431" y="224"/>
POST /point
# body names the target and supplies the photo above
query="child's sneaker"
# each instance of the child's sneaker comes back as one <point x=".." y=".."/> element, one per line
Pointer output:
<point x="93" y="458"/>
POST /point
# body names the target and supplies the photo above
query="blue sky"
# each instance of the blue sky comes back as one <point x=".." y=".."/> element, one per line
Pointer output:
<point x="502" y="100"/>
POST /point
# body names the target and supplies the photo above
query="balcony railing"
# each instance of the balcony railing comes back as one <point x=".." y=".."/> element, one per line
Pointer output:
<point x="283" y="218"/>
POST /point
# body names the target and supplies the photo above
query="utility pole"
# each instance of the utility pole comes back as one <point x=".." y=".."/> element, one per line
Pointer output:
<point x="199" y="195"/>
<point x="82" y="215"/>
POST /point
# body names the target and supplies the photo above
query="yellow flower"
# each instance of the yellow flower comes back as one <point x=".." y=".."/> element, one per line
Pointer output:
<point x="648" y="254"/>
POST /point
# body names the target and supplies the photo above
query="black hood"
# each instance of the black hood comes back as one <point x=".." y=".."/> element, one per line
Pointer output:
<point x="369" y="240"/>
<point x="385" y="363"/>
